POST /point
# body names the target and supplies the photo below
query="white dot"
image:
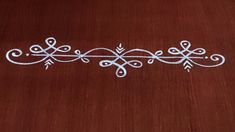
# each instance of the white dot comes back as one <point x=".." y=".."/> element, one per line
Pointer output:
<point x="50" y="41"/>
<point x="27" y="54"/>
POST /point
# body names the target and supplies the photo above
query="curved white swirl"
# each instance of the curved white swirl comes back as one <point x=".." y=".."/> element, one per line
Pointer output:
<point x="17" y="53"/>
<point x="117" y="57"/>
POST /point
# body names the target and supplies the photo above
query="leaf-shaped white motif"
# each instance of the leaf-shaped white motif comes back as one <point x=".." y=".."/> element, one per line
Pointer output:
<point x="85" y="60"/>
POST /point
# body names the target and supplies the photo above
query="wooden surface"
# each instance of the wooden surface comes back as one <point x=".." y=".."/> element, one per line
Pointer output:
<point x="78" y="97"/>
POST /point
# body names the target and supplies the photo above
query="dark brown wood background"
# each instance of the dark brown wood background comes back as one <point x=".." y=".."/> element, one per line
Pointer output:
<point x="78" y="97"/>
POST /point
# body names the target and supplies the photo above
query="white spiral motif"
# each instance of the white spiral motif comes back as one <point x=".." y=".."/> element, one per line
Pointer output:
<point x="118" y="57"/>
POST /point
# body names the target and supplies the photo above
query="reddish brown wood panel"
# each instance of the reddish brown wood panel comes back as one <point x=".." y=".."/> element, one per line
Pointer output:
<point x="78" y="97"/>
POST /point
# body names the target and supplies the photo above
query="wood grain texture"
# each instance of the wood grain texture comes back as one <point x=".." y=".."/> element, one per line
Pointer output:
<point x="78" y="97"/>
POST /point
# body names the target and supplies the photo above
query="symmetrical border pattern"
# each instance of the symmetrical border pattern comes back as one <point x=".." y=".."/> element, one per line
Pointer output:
<point x="118" y="57"/>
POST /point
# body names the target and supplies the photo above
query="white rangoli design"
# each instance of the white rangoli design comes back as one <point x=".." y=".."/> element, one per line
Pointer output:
<point x="118" y="57"/>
